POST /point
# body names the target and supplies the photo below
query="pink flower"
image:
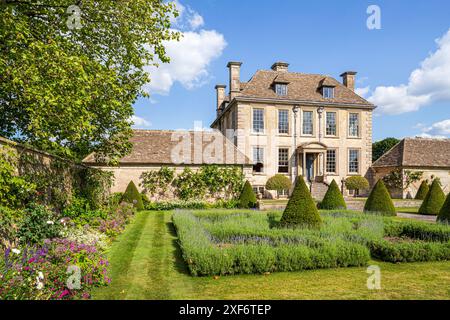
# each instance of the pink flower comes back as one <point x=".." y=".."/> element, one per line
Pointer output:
<point x="63" y="294"/>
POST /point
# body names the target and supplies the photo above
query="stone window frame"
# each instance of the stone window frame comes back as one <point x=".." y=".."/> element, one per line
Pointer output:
<point x="312" y="110"/>
<point x="263" y="159"/>
<point x="287" y="161"/>
<point x="288" y="119"/>
<point x="329" y="90"/>
<point x="281" y="89"/>
<point x="359" y="161"/>
<point x="350" y="112"/>
<point x="336" y="112"/>
<point x="263" y="121"/>
<point x="336" y="161"/>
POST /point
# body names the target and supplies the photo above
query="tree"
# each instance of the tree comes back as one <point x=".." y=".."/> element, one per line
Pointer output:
<point x="444" y="214"/>
<point x="381" y="147"/>
<point x="380" y="201"/>
<point x="247" y="198"/>
<point x="132" y="196"/>
<point x="356" y="183"/>
<point x="69" y="87"/>
<point x="301" y="210"/>
<point x="423" y="190"/>
<point x="333" y="199"/>
<point x="434" y="199"/>
<point x="279" y="183"/>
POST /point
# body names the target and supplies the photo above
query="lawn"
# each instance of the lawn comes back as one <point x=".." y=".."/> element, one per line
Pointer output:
<point x="146" y="263"/>
<point x="407" y="209"/>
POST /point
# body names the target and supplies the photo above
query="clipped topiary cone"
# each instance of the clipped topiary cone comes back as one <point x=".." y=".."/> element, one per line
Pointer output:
<point x="132" y="196"/>
<point x="423" y="190"/>
<point x="333" y="199"/>
<point x="380" y="201"/>
<point x="247" y="199"/>
<point x="434" y="200"/>
<point x="301" y="209"/>
<point x="444" y="214"/>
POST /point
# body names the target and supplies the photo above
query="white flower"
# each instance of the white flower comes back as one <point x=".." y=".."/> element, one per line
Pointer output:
<point x="39" y="284"/>
<point x="16" y="251"/>
<point x="40" y="275"/>
<point x="50" y="222"/>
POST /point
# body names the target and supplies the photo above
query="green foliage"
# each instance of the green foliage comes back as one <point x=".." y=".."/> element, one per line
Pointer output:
<point x="223" y="182"/>
<point x="71" y="91"/>
<point x="96" y="186"/>
<point x="356" y="183"/>
<point x="81" y="213"/>
<point x="190" y="204"/>
<point x="38" y="224"/>
<point x="379" y="201"/>
<point x="9" y="224"/>
<point x="444" y="214"/>
<point x="381" y="147"/>
<point x="247" y="199"/>
<point x="333" y="199"/>
<point x="157" y="182"/>
<point x="220" y="257"/>
<point x="190" y="185"/>
<point x="423" y="190"/>
<point x="279" y="183"/>
<point x="399" y="179"/>
<point x="14" y="190"/>
<point x="301" y="210"/>
<point x="417" y="230"/>
<point x="434" y="200"/>
<point x="409" y="251"/>
<point x="132" y="196"/>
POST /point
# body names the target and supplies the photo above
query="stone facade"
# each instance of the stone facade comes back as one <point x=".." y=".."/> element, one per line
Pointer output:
<point x="307" y="152"/>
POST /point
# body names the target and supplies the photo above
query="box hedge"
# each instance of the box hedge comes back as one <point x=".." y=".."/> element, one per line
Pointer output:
<point x="333" y="199"/>
<point x="379" y="201"/>
<point x="444" y="214"/>
<point x="132" y="196"/>
<point x="423" y="190"/>
<point x="434" y="200"/>
<point x="247" y="199"/>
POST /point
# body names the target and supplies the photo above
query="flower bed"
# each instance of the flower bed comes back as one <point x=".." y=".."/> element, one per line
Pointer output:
<point x="220" y="243"/>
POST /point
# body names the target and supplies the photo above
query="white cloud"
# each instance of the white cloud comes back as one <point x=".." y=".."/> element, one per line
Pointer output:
<point x="442" y="128"/>
<point x="362" y="91"/>
<point x="139" y="122"/>
<point x="190" y="57"/>
<point x="427" y="84"/>
<point x="430" y="136"/>
<point x="189" y="61"/>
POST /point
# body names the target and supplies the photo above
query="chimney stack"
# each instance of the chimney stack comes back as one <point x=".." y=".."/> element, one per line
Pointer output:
<point x="280" y="66"/>
<point x="235" y="78"/>
<point x="348" y="79"/>
<point x="220" y="91"/>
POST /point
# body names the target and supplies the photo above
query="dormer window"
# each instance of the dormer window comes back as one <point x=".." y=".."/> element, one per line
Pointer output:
<point x="328" y="92"/>
<point x="281" y="89"/>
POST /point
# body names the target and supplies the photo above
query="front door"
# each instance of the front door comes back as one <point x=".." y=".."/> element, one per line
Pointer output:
<point x="309" y="166"/>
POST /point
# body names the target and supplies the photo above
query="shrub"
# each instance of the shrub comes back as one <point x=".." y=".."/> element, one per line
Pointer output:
<point x="38" y="224"/>
<point x="423" y="190"/>
<point x="248" y="198"/>
<point x="434" y="200"/>
<point x="132" y="196"/>
<point x="42" y="272"/>
<point x="444" y="214"/>
<point x="81" y="214"/>
<point x="301" y="209"/>
<point x="9" y="222"/>
<point x="356" y="183"/>
<point x="279" y="183"/>
<point x="333" y="199"/>
<point x="380" y="201"/>
<point x="417" y="230"/>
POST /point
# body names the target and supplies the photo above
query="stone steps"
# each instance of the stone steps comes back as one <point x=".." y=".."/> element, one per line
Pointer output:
<point x="318" y="190"/>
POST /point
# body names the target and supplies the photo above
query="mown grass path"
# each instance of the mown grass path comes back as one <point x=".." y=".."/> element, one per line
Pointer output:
<point x="146" y="263"/>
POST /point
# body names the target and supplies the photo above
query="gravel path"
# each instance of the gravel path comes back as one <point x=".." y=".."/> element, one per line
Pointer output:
<point x="417" y="217"/>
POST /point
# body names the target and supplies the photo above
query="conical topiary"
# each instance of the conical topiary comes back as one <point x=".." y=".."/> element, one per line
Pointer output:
<point x="333" y="199"/>
<point x="132" y="196"/>
<point x="247" y="198"/>
<point x="434" y="200"/>
<point x="423" y="190"/>
<point x="380" y="201"/>
<point x="444" y="214"/>
<point x="301" y="210"/>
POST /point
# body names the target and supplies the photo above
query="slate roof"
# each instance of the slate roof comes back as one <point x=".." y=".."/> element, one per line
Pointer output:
<point x="305" y="87"/>
<point x="417" y="152"/>
<point x="156" y="147"/>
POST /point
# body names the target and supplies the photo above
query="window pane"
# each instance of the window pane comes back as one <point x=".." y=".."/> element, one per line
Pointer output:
<point x="281" y="89"/>
<point x="258" y="159"/>
<point x="353" y="161"/>
<point x="283" y="160"/>
<point x="283" y="121"/>
<point x="331" y="124"/>
<point x="307" y="122"/>
<point x="353" y="125"/>
<point x="331" y="161"/>
<point x="258" y="120"/>
<point x="328" y="92"/>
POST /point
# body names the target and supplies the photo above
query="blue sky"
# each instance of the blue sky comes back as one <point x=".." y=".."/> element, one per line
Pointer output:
<point x="326" y="37"/>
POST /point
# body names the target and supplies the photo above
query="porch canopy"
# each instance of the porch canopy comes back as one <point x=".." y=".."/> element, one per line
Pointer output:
<point x="317" y="148"/>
